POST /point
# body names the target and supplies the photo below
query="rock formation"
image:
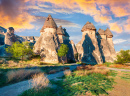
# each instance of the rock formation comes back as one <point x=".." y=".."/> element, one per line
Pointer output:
<point x="70" y="55"/>
<point x="106" y="45"/>
<point x="73" y="46"/>
<point x="61" y="34"/>
<point x="87" y="48"/>
<point x="9" y="36"/>
<point x="47" y="43"/>
<point x="2" y="36"/>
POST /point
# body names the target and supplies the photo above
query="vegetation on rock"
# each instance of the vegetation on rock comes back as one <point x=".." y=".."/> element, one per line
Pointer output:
<point x="62" y="51"/>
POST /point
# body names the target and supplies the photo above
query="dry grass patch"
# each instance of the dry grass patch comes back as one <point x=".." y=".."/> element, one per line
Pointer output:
<point x="67" y="72"/>
<point x="86" y="70"/>
<point x="39" y="81"/>
<point x="120" y="66"/>
<point x="18" y="75"/>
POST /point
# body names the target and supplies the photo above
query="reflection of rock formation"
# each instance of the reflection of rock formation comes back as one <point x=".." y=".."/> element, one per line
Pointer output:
<point x="88" y="46"/>
<point x="106" y="45"/>
<point x="47" y="44"/>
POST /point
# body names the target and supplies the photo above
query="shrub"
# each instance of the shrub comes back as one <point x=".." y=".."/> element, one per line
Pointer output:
<point x="18" y="75"/>
<point x="67" y="72"/>
<point x="62" y="51"/>
<point x="20" y="50"/>
<point x="123" y="57"/>
<point x="39" y="81"/>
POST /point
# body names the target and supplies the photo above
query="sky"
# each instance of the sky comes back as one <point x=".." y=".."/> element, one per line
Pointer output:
<point x="28" y="16"/>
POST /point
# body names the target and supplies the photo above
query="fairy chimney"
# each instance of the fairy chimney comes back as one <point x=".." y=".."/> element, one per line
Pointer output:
<point x="87" y="48"/>
<point x="47" y="43"/>
<point x="9" y="36"/>
<point x="61" y="34"/>
<point x="109" y="36"/>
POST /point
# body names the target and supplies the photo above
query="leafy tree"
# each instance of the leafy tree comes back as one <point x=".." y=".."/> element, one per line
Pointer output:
<point x="62" y="51"/>
<point x="19" y="50"/>
<point x="123" y="57"/>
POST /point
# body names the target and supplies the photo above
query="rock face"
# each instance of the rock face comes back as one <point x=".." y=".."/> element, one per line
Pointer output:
<point x="87" y="48"/>
<point x="2" y="36"/>
<point x="74" y="47"/>
<point x="106" y="45"/>
<point x="63" y="37"/>
<point x="47" y="43"/>
<point x="9" y="36"/>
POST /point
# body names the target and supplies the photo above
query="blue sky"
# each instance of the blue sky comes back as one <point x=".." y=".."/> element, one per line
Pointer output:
<point x="28" y="16"/>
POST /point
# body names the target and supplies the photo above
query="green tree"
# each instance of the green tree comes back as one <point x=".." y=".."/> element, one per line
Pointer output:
<point x="123" y="57"/>
<point x="19" y="50"/>
<point x="62" y="51"/>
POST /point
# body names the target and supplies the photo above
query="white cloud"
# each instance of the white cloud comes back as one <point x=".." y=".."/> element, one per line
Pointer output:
<point x="64" y="23"/>
<point x="39" y="9"/>
<point x="76" y="39"/>
<point x="43" y="5"/>
<point x="118" y="41"/>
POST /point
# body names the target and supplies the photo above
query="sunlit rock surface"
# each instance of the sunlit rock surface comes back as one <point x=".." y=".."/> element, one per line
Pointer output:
<point x="88" y="48"/>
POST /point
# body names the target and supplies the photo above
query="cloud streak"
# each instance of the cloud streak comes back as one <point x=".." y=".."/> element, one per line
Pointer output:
<point x="40" y="21"/>
<point x="118" y="41"/>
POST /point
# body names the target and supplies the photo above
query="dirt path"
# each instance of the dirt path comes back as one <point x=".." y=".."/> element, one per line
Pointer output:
<point x="122" y="86"/>
<point x="116" y="69"/>
<point x="16" y="89"/>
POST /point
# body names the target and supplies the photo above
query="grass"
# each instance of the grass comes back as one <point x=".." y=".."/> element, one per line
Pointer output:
<point x="126" y="76"/>
<point x="73" y="84"/>
<point x="13" y="75"/>
<point x="22" y="74"/>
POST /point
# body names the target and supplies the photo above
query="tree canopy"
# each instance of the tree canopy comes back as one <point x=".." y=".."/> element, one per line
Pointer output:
<point x="123" y="57"/>
<point x="19" y="50"/>
<point x="63" y="50"/>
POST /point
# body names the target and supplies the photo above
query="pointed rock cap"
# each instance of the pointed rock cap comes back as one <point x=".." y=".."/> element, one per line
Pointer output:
<point x="66" y="34"/>
<point x="49" y="23"/>
<point x="101" y="32"/>
<point x="60" y="31"/>
<point x="72" y="42"/>
<point x="89" y="26"/>
<point x="108" y="33"/>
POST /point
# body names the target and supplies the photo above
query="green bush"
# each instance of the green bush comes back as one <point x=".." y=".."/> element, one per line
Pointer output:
<point x="123" y="57"/>
<point x="20" y="50"/>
